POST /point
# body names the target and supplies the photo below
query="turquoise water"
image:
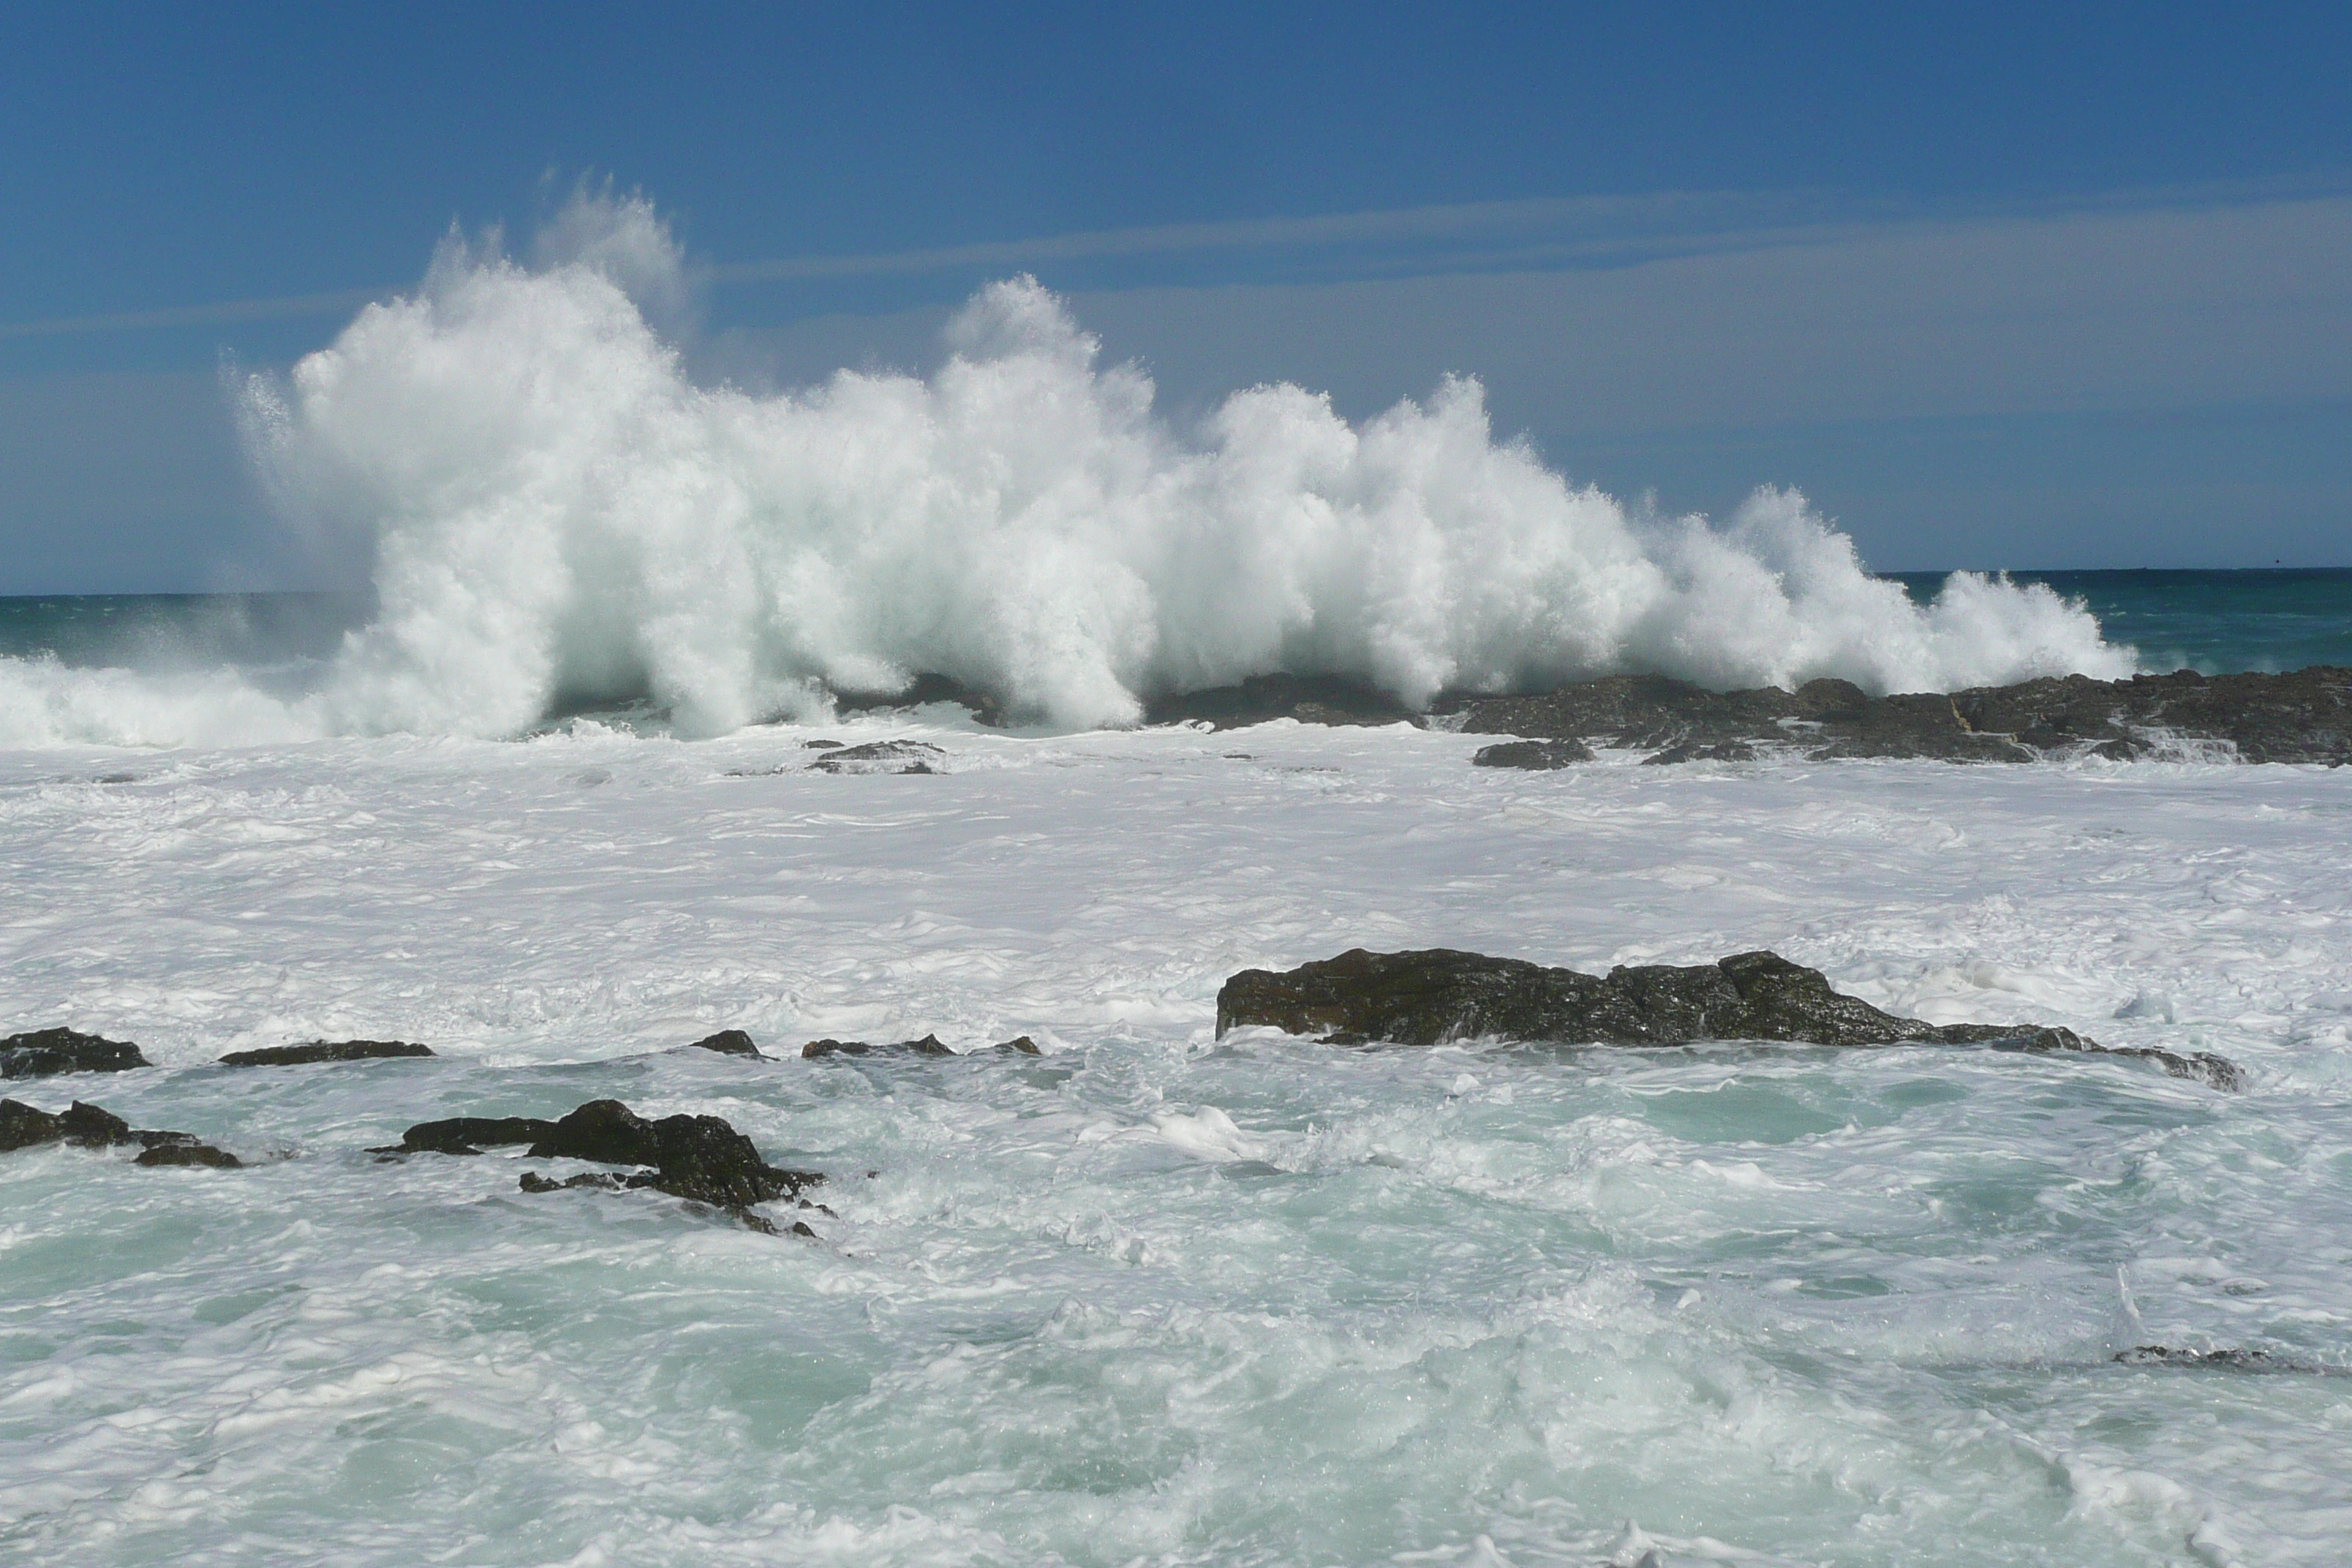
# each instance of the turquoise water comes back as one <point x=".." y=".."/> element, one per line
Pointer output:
<point x="2216" y="622"/>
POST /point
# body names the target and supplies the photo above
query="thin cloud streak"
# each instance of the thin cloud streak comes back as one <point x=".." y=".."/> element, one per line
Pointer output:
<point x="1551" y="233"/>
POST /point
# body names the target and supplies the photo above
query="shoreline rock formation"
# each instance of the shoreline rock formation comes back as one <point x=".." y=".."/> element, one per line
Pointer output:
<point x="86" y="1126"/>
<point x="45" y="1053"/>
<point x="2303" y="716"/>
<point x="323" y="1051"/>
<point x="1437" y="995"/>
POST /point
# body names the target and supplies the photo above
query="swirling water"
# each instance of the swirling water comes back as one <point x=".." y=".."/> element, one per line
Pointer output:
<point x="1154" y="1296"/>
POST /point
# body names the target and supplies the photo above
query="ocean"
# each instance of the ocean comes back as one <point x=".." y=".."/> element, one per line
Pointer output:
<point x="548" y="799"/>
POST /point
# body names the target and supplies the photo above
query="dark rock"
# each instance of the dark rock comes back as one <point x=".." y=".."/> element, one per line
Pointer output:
<point x="1019" y="1046"/>
<point x="925" y="688"/>
<point x="1436" y="995"/>
<point x="700" y="1157"/>
<point x="1309" y="699"/>
<point x="42" y="1052"/>
<point x="820" y="745"/>
<point x="203" y="1155"/>
<point x="730" y="1043"/>
<point x="323" y="1051"/>
<point x="882" y="757"/>
<point x="1532" y="754"/>
<point x="1691" y="752"/>
<point x="2305" y="716"/>
<point x="468" y="1134"/>
<point x="928" y="1045"/>
<point x="603" y="1181"/>
<point x="88" y="1126"/>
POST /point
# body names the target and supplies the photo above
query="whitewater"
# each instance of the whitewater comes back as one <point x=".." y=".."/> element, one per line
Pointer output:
<point x="1153" y="1296"/>
<point x="550" y="513"/>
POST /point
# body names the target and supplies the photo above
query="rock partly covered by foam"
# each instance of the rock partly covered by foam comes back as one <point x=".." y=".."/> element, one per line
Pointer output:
<point x="1436" y="995"/>
<point x="86" y="1126"/>
<point x="928" y="1045"/>
<point x="44" y="1053"/>
<point x="323" y="1051"/>
<point x="1309" y="699"/>
<point x="883" y="757"/>
<point x="702" y="1158"/>
<point x="2302" y="717"/>
<point x="1534" y="756"/>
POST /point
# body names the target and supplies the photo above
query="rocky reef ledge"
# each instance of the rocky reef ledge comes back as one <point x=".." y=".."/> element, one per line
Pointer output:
<point x="2302" y="717"/>
<point x="1437" y="995"/>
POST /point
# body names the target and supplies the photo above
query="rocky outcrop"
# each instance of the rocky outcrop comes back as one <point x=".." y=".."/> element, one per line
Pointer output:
<point x="928" y="1045"/>
<point x="323" y="1051"/>
<point x="730" y="1043"/>
<point x="2302" y="717"/>
<point x="924" y="689"/>
<point x="86" y="1126"/>
<point x="1438" y="995"/>
<point x="1533" y="755"/>
<point x="44" y="1053"/>
<point x="882" y="757"/>
<point x="2232" y="1360"/>
<point x="700" y="1158"/>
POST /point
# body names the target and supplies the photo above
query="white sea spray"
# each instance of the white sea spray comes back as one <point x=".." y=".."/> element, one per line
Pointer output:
<point x="551" y="510"/>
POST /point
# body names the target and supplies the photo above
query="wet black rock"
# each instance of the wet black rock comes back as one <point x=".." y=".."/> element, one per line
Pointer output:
<point x="700" y="1157"/>
<point x="821" y="745"/>
<point x="88" y="1126"/>
<point x="1532" y="754"/>
<point x="44" y="1053"/>
<point x="1719" y="751"/>
<point x="730" y="1043"/>
<point x="323" y="1051"/>
<point x="1425" y="998"/>
<point x="2304" y="716"/>
<point x="1018" y="1046"/>
<point x="928" y="1045"/>
<point x="201" y="1154"/>
<point x="925" y="688"/>
<point x="883" y="757"/>
<point x="1309" y="699"/>
<point x="468" y="1134"/>
<point x="601" y="1181"/>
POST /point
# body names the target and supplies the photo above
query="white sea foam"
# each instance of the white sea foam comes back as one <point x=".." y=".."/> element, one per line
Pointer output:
<point x="552" y="509"/>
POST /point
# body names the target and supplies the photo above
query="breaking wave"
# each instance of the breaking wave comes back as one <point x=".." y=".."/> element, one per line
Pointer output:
<point x="556" y="512"/>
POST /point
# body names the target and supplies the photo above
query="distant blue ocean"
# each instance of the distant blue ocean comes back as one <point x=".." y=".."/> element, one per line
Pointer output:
<point x="2215" y="622"/>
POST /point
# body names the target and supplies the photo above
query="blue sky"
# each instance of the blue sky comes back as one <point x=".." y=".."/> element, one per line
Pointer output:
<point x="2046" y="286"/>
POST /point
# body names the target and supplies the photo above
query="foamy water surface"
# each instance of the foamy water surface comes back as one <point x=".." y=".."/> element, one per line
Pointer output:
<point x="1155" y="1297"/>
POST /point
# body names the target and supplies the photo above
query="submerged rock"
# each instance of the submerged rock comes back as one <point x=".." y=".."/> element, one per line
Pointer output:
<point x="44" y="1053"/>
<point x="882" y="757"/>
<point x="88" y="1126"/>
<point x="323" y="1051"/>
<point x="928" y="1045"/>
<point x="2232" y="1360"/>
<point x="1532" y="754"/>
<point x="467" y="1135"/>
<point x="1437" y="995"/>
<point x="730" y="1043"/>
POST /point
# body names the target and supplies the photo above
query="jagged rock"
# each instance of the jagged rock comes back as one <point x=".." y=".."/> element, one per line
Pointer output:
<point x="1309" y="699"/>
<point x="88" y="1126"/>
<point x="925" y="688"/>
<point x="928" y="1045"/>
<point x="44" y="1053"/>
<point x="698" y="1157"/>
<point x="468" y="1134"/>
<point x="2304" y="716"/>
<point x="882" y="757"/>
<point x="323" y="1051"/>
<point x="1532" y="754"/>
<point x="1436" y="995"/>
<point x="603" y="1181"/>
<point x="191" y="1153"/>
<point x="730" y="1043"/>
<point x="1018" y="1046"/>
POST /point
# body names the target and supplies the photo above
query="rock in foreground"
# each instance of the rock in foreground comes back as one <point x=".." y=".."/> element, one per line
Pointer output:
<point x="882" y="757"/>
<point x="44" y="1053"/>
<point x="1534" y="756"/>
<point x="702" y="1158"/>
<point x="323" y="1051"/>
<point x="1437" y="995"/>
<point x="88" y="1126"/>
<point x="730" y="1043"/>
